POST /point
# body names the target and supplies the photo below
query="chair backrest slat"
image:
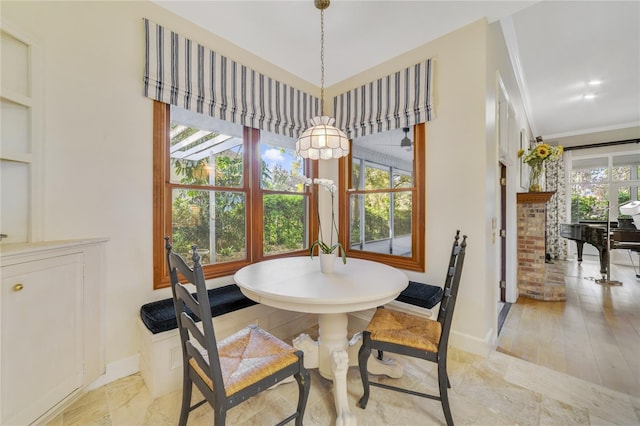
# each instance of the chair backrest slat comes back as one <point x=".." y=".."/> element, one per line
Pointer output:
<point x="192" y="327"/>
<point x="186" y="298"/>
<point x="194" y="352"/>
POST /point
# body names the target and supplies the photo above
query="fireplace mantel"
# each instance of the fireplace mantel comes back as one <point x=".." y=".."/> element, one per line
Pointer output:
<point x="534" y="197"/>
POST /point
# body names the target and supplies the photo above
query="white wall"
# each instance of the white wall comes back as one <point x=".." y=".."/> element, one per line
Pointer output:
<point x="98" y="151"/>
<point x="98" y="138"/>
<point x="457" y="187"/>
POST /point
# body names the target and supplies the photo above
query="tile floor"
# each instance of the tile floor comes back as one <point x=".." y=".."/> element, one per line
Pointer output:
<point x="498" y="390"/>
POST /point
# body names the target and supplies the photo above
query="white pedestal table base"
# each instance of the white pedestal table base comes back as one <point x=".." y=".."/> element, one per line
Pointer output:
<point x="334" y="353"/>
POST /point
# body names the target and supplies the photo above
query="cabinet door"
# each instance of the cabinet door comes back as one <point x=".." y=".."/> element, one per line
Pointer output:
<point x="41" y="335"/>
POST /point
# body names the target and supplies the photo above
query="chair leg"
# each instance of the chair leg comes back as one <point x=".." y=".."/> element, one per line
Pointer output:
<point x="443" y="384"/>
<point x="187" y="387"/>
<point x="220" y="415"/>
<point x="363" y="357"/>
<point x="304" y="384"/>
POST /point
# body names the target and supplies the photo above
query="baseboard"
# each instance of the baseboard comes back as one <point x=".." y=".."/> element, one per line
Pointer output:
<point x="117" y="370"/>
<point x="468" y="343"/>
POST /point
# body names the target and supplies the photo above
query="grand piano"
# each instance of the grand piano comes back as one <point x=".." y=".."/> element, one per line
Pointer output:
<point x="596" y="235"/>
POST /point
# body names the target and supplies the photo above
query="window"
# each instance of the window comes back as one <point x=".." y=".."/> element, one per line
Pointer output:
<point x="626" y="178"/>
<point x="235" y="192"/>
<point x="600" y="184"/>
<point x="382" y="199"/>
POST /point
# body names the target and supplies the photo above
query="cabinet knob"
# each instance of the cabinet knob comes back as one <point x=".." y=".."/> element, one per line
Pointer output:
<point x="18" y="287"/>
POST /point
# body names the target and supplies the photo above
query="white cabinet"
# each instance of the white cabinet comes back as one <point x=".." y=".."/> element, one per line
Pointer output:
<point x="52" y="332"/>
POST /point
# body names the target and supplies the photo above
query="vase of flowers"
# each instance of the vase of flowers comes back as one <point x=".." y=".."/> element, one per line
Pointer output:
<point x="327" y="250"/>
<point x="536" y="158"/>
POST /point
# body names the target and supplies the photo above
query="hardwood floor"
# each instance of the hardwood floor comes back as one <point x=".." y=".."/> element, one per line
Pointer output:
<point x="594" y="335"/>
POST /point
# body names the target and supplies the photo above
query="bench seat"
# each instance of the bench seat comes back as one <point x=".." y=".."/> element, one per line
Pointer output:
<point x="160" y="315"/>
<point x="420" y="294"/>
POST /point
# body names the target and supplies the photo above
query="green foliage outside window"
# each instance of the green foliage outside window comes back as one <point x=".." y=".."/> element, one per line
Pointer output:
<point x="192" y="218"/>
<point x="591" y="187"/>
<point x="379" y="205"/>
<point x="284" y="223"/>
<point x="588" y="207"/>
<point x="190" y="225"/>
<point x="376" y="214"/>
<point x="284" y="219"/>
<point x="402" y="213"/>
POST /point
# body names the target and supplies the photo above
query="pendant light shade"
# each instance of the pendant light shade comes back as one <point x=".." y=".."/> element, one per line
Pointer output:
<point x="322" y="141"/>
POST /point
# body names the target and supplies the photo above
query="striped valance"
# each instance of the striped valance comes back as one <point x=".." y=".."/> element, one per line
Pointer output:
<point x="181" y="72"/>
<point x="401" y="99"/>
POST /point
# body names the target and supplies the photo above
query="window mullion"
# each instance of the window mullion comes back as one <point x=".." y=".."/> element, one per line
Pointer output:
<point x="255" y="209"/>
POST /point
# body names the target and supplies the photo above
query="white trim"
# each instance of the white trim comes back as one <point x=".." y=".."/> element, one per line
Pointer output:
<point x="510" y="39"/>
<point x="592" y="130"/>
<point x="35" y="102"/>
<point x="117" y="370"/>
<point x="468" y="343"/>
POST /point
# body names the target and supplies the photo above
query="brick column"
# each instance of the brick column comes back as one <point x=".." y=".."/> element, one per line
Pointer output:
<point x="536" y="279"/>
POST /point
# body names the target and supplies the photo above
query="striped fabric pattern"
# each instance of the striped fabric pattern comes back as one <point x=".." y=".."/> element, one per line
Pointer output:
<point x="183" y="73"/>
<point x="401" y="99"/>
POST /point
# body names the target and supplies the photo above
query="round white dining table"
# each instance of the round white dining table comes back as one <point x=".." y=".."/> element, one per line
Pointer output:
<point x="297" y="284"/>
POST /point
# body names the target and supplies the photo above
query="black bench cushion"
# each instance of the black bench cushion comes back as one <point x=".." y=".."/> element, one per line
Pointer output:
<point x="420" y="294"/>
<point x="160" y="316"/>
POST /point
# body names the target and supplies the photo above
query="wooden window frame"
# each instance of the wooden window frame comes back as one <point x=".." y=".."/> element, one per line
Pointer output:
<point x="162" y="205"/>
<point x="417" y="260"/>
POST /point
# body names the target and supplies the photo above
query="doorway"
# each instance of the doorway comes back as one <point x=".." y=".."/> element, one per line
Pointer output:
<point x="502" y="278"/>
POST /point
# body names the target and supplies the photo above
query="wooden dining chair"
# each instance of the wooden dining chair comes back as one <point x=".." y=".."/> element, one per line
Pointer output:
<point x="236" y="368"/>
<point x="416" y="336"/>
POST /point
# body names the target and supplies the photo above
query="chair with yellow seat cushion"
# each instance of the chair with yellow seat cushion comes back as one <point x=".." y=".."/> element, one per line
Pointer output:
<point x="416" y="336"/>
<point x="236" y="368"/>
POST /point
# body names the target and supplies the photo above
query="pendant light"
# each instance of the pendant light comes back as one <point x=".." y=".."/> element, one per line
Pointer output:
<point x="406" y="142"/>
<point x="322" y="140"/>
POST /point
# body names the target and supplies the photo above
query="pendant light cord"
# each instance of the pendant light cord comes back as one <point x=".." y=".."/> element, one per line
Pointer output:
<point x="322" y="140"/>
<point x="321" y="62"/>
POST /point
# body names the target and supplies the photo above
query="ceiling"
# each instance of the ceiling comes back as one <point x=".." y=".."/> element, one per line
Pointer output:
<point x="558" y="47"/>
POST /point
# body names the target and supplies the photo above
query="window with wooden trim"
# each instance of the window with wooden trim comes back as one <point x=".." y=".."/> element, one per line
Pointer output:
<point x="382" y="207"/>
<point x="235" y="192"/>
